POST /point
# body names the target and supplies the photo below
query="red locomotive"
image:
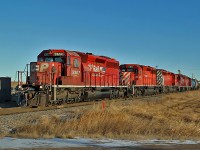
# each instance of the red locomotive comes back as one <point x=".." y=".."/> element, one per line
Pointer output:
<point x="72" y="69"/>
<point x="146" y="80"/>
<point x="75" y="76"/>
<point x="167" y="80"/>
<point x="69" y="76"/>
<point x="142" y="78"/>
<point x="183" y="82"/>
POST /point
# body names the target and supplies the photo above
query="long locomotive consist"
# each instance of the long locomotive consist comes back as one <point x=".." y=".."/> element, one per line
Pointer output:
<point x="61" y="76"/>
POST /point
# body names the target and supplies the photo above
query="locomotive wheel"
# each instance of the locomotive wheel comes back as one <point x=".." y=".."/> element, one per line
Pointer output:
<point x="146" y="92"/>
<point x="157" y="91"/>
<point x="77" y="100"/>
<point x="137" y="93"/>
<point x="111" y="97"/>
<point x="143" y="92"/>
<point x="69" y="101"/>
<point x="72" y="101"/>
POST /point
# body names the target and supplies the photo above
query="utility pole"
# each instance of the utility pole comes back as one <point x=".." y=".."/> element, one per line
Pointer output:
<point x="27" y="73"/>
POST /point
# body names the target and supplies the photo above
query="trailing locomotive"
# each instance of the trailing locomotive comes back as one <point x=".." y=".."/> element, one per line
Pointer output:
<point x="61" y="76"/>
<point x="146" y="80"/>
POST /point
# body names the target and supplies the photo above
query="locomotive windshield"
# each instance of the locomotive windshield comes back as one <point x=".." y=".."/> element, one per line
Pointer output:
<point x="51" y="59"/>
<point x="135" y="70"/>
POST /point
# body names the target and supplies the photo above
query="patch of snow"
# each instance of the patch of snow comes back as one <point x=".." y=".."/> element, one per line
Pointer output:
<point x="15" y="143"/>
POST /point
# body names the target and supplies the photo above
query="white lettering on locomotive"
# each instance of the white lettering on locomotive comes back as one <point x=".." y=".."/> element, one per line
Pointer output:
<point x="74" y="72"/>
<point x="43" y="67"/>
<point x="58" y="54"/>
<point x="95" y="68"/>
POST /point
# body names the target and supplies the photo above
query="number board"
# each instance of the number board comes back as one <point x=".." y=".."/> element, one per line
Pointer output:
<point x="59" y="54"/>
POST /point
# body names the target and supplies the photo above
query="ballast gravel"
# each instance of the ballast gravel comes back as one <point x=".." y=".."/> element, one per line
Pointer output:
<point x="8" y="123"/>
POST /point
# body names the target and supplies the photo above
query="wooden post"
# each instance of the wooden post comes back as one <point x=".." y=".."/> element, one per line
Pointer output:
<point x="103" y="105"/>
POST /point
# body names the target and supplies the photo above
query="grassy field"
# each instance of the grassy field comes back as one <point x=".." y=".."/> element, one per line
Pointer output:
<point x="171" y="116"/>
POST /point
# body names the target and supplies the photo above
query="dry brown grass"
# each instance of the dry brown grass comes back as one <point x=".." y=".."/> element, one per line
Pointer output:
<point x="172" y="116"/>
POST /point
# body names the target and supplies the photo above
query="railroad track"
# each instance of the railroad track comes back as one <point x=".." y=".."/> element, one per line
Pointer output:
<point x="18" y="110"/>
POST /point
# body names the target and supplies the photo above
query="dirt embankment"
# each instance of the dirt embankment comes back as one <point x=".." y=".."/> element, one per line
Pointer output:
<point x="172" y="116"/>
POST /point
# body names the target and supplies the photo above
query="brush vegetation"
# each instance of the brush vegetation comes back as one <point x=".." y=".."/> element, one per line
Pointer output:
<point x="170" y="116"/>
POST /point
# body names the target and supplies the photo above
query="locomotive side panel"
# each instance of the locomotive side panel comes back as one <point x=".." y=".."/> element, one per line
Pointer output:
<point x="168" y="78"/>
<point x="149" y="76"/>
<point x="183" y="82"/>
<point x="168" y="81"/>
<point x="99" y="71"/>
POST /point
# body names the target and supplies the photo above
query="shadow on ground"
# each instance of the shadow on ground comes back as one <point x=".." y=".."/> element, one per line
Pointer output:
<point x="8" y="104"/>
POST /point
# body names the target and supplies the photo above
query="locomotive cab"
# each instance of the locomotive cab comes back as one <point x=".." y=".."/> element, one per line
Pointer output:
<point x="51" y="65"/>
<point x="130" y="74"/>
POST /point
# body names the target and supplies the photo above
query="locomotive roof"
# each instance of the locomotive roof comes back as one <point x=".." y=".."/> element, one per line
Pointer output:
<point x="182" y="75"/>
<point x="165" y="71"/>
<point x="85" y="57"/>
<point x="59" y="50"/>
<point x="138" y="65"/>
<point x="90" y="56"/>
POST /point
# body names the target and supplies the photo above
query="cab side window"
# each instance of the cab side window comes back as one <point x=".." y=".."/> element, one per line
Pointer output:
<point x="76" y="63"/>
<point x="68" y="60"/>
<point x="136" y="71"/>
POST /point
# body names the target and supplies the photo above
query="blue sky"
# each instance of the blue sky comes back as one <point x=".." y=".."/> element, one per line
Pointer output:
<point x="163" y="33"/>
